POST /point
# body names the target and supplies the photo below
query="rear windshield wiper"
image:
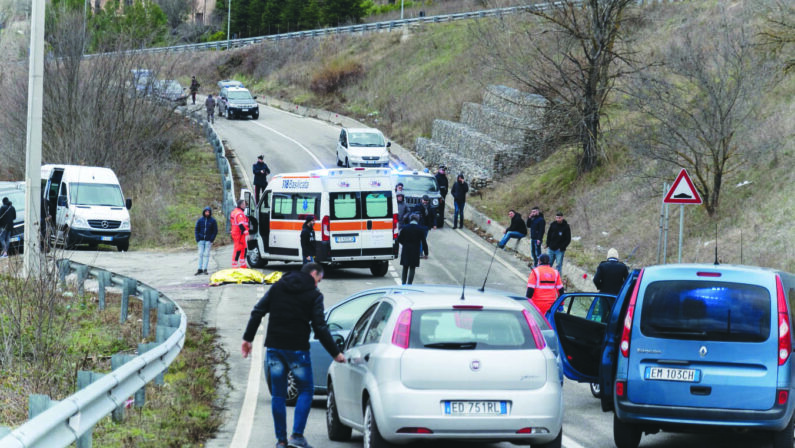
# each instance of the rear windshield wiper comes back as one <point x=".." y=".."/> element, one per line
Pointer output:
<point x="453" y="345"/>
<point x="680" y="333"/>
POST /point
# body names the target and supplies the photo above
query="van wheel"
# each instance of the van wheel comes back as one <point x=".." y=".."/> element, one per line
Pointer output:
<point x="254" y="260"/>
<point x="379" y="268"/>
<point x="336" y="430"/>
<point x="596" y="390"/>
<point x="627" y="435"/>
<point x="785" y="437"/>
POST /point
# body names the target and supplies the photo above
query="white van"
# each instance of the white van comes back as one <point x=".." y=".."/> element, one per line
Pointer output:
<point x="356" y="215"/>
<point x="85" y="205"/>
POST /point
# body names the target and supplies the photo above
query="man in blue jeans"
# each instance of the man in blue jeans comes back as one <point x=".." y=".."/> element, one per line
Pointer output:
<point x="517" y="229"/>
<point x="294" y="303"/>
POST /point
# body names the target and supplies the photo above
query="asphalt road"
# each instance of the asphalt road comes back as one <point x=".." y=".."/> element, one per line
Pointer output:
<point x="294" y="143"/>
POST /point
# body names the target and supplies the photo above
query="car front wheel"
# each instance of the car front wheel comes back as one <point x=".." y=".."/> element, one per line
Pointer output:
<point x="372" y="437"/>
<point x="336" y="430"/>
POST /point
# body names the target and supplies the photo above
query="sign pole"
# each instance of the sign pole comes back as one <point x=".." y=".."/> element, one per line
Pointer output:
<point x="681" y="229"/>
<point x="662" y="216"/>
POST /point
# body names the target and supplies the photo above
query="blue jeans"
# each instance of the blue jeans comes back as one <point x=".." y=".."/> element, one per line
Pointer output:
<point x="279" y="363"/>
<point x="5" y="241"/>
<point x="535" y="250"/>
<point x="204" y="254"/>
<point x="509" y="235"/>
<point x="556" y="254"/>
<point x="458" y="215"/>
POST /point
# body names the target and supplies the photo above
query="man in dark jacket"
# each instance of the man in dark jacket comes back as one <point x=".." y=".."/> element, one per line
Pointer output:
<point x="412" y="238"/>
<point x="558" y="239"/>
<point x="441" y="179"/>
<point x="536" y="225"/>
<point x="459" y="192"/>
<point x="194" y="88"/>
<point x="403" y="211"/>
<point x="294" y="303"/>
<point x="517" y="229"/>
<point x="427" y="213"/>
<point x="611" y="274"/>
<point x="205" y="231"/>
<point x="308" y="240"/>
<point x="261" y="172"/>
<point x="8" y="214"/>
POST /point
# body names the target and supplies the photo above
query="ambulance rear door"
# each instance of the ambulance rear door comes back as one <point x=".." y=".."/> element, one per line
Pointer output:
<point x="345" y="218"/>
<point x="377" y="210"/>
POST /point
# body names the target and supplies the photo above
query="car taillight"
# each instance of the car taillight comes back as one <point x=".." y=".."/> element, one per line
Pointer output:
<point x="538" y="338"/>
<point x="784" y="337"/>
<point x="325" y="231"/>
<point x="400" y="335"/>
<point x="395" y="226"/>
<point x="627" y="330"/>
<point x="782" y="395"/>
<point x="621" y="388"/>
<point x="414" y="431"/>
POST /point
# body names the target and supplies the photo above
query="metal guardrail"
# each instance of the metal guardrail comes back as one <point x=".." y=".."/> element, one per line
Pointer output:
<point x="74" y="417"/>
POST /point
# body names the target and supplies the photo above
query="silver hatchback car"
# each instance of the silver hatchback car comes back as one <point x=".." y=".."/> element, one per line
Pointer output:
<point x="433" y="366"/>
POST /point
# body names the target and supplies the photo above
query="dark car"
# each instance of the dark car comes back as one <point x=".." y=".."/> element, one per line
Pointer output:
<point x="15" y="192"/>
<point x="235" y="102"/>
<point x="417" y="184"/>
<point x="171" y="91"/>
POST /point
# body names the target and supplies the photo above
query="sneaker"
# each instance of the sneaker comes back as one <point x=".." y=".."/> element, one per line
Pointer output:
<point x="298" y="442"/>
<point x="199" y="272"/>
<point x="281" y="444"/>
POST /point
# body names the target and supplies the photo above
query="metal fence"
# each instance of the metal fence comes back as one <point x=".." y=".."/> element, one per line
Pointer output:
<point x="60" y="423"/>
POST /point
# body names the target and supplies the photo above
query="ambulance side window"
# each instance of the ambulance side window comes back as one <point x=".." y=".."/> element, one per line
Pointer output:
<point x="282" y="207"/>
<point x="345" y="206"/>
<point x="306" y="205"/>
<point x="377" y="204"/>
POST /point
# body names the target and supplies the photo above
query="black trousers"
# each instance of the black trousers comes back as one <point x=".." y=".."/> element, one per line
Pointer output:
<point x="408" y="271"/>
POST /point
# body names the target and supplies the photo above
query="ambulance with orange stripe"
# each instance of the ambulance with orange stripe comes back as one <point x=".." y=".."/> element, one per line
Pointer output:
<point x="355" y="211"/>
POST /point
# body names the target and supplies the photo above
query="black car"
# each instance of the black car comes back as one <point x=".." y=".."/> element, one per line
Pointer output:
<point x="15" y="192"/>
<point x="234" y="102"/>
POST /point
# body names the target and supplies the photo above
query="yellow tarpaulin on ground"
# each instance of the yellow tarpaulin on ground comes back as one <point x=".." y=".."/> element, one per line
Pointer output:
<point x="273" y="277"/>
<point x="237" y="275"/>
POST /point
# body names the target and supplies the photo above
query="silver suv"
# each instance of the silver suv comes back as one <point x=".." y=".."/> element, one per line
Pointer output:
<point x="237" y="102"/>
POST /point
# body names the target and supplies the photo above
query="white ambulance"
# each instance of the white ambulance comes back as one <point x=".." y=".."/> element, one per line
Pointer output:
<point x="355" y="211"/>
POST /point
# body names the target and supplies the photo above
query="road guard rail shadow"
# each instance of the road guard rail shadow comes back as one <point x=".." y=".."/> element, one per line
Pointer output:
<point x="60" y="423"/>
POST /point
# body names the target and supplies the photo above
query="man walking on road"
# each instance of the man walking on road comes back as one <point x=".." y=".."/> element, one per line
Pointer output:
<point x="210" y="105"/>
<point x="544" y="285"/>
<point x="611" y="274"/>
<point x="205" y="231"/>
<point x="261" y="172"/>
<point x="459" y="192"/>
<point x="412" y="238"/>
<point x="441" y="179"/>
<point x="536" y="225"/>
<point x="194" y="88"/>
<point x="558" y="239"/>
<point x="239" y="223"/>
<point x="294" y="304"/>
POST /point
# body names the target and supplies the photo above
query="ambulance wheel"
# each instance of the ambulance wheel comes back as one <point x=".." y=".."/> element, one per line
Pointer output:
<point x="379" y="268"/>
<point x="254" y="260"/>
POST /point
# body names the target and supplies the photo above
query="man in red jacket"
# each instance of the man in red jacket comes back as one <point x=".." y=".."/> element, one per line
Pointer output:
<point x="239" y="223"/>
<point x="544" y="285"/>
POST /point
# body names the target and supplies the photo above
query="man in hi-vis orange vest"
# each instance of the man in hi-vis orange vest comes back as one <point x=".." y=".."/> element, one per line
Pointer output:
<point x="239" y="224"/>
<point x="544" y="285"/>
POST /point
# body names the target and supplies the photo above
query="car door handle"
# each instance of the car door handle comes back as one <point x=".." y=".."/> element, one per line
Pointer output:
<point x="369" y="225"/>
<point x="367" y="357"/>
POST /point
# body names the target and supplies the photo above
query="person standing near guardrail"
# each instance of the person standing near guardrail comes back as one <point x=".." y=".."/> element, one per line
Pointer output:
<point x="205" y="231"/>
<point x="239" y="223"/>
<point x="261" y="172"/>
<point x="7" y="216"/>
<point x="459" y="192"/>
<point x="210" y="105"/>
<point x="536" y="225"/>
<point x="441" y="179"/>
<point x="194" y="88"/>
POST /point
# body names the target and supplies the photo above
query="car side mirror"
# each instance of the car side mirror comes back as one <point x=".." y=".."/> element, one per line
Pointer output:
<point x="128" y="203"/>
<point x="61" y="201"/>
<point x="255" y="97"/>
<point x="388" y="144"/>
<point x="339" y="340"/>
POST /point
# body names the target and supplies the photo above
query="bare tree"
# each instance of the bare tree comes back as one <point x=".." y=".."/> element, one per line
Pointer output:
<point x="700" y="109"/>
<point x="779" y="32"/>
<point x="571" y="56"/>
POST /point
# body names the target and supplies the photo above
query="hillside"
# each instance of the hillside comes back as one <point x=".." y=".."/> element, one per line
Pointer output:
<point x="402" y="81"/>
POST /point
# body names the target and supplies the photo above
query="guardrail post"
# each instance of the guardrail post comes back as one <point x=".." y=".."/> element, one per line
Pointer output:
<point x="38" y="403"/>
<point x="84" y="379"/>
<point x="149" y="301"/>
<point x="82" y="274"/>
<point x="63" y="271"/>
<point x="143" y="348"/>
<point x="127" y="289"/>
<point x="116" y="361"/>
<point x="103" y="278"/>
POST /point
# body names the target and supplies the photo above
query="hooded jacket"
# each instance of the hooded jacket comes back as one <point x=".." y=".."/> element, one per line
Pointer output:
<point x="206" y="228"/>
<point x="294" y="303"/>
<point x="8" y="215"/>
<point x="559" y="235"/>
<point x="459" y="191"/>
<point x="536" y="225"/>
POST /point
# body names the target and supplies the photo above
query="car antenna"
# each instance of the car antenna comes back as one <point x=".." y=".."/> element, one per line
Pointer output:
<point x="716" y="244"/>
<point x="483" y="288"/>
<point x="466" y="265"/>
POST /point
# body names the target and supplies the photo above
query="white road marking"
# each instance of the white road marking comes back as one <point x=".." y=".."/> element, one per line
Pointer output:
<point x="245" y="420"/>
<point x="489" y="251"/>
<point x="292" y="140"/>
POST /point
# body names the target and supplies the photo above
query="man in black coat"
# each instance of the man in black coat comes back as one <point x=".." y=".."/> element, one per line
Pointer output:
<point x="536" y="225"/>
<point x="261" y="172"/>
<point x="558" y="239"/>
<point x="308" y="240"/>
<point x="294" y="303"/>
<point x="517" y="229"/>
<point x="427" y="214"/>
<point x="441" y="179"/>
<point x="459" y="192"/>
<point x="412" y="238"/>
<point x="611" y="274"/>
<point x="8" y="214"/>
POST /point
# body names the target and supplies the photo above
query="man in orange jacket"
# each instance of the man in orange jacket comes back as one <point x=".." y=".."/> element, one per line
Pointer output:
<point x="544" y="285"/>
<point x="239" y="223"/>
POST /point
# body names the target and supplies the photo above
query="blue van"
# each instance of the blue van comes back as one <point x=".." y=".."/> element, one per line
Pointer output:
<point x="687" y="347"/>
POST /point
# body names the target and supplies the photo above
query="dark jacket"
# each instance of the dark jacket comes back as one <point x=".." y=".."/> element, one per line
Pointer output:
<point x="411" y="237"/>
<point x="294" y="302"/>
<point x="537" y="226"/>
<point x="441" y="179"/>
<point x="206" y="228"/>
<point x="559" y="235"/>
<point x="307" y="241"/>
<point x="427" y="215"/>
<point x="7" y="216"/>
<point x="260" y="178"/>
<point x="194" y="85"/>
<point x="517" y="225"/>
<point x="459" y="191"/>
<point x="610" y="276"/>
<point x="209" y="104"/>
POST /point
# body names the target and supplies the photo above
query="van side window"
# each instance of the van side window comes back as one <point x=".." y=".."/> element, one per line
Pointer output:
<point x="282" y="207"/>
<point x="344" y="206"/>
<point x="377" y="204"/>
<point x="306" y="205"/>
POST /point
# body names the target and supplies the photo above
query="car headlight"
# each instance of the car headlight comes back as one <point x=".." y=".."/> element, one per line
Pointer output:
<point x="125" y="225"/>
<point x="435" y="202"/>
<point x="79" y="222"/>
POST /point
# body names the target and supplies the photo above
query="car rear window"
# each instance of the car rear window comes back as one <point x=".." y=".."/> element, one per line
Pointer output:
<point x="703" y="310"/>
<point x="470" y="330"/>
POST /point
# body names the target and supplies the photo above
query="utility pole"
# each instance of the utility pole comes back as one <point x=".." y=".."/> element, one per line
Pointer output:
<point x="228" y="23"/>
<point x="32" y="258"/>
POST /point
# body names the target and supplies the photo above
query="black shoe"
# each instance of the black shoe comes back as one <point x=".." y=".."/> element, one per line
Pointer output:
<point x="199" y="272"/>
<point x="205" y="271"/>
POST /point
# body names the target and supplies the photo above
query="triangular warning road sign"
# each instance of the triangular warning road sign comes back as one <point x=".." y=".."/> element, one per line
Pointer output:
<point x="682" y="191"/>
